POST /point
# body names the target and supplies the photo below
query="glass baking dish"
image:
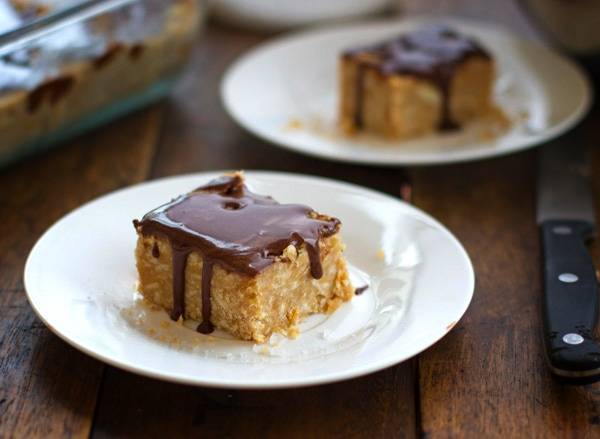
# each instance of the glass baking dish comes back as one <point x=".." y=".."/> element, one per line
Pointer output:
<point x="68" y="66"/>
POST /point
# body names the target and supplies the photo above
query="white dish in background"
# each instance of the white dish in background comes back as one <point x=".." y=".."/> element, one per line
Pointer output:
<point x="286" y="92"/>
<point x="281" y="14"/>
<point x="80" y="279"/>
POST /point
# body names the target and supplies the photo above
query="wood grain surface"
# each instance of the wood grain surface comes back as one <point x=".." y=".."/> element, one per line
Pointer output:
<point x="489" y="376"/>
<point x="48" y="389"/>
<point x="486" y="378"/>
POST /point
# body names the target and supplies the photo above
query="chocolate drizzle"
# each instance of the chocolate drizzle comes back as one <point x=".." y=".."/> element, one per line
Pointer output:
<point x="111" y="52"/>
<point x="155" y="251"/>
<point x="50" y="91"/>
<point x="136" y="51"/>
<point x="358" y="93"/>
<point x="230" y="226"/>
<point x="433" y="53"/>
<point x="179" y="256"/>
<point x="359" y="290"/>
<point x="206" y="326"/>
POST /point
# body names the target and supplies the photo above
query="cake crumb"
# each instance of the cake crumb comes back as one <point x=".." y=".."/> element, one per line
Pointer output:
<point x="494" y="124"/>
<point x="293" y="124"/>
<point x="380" y="254"/>
<point x="261" y="349"/>
<point x="293" y="332"/>
<point x="523" y="115"/>
<point x="164" y="324"/>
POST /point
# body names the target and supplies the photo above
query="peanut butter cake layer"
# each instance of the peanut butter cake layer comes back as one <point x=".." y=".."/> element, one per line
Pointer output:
<point x="427" y="80"/>
<point x="240" y="261"/>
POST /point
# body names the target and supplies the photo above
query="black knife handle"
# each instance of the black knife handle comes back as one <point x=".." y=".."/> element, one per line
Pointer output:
<point x="570" y="301"/>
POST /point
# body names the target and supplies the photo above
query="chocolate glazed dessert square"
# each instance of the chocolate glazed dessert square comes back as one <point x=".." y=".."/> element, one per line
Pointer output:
<point x="432" y="79"/>
<point x="253" y="243"/>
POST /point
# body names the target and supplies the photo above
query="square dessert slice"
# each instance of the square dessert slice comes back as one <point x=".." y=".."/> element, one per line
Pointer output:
<point x="428" y="80"/>
<point x="239" y="261"/>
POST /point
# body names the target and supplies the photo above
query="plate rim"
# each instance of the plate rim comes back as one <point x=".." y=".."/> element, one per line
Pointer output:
<point x="355" y="372"/>
<point x="475" y="155"/>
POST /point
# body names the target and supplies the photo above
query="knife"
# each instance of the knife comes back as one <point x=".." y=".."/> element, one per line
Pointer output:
<point x="566" y="218"/>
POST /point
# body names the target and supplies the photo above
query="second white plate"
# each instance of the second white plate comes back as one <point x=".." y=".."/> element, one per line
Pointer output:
<point x="80" y="279"/>
<point x="285" y="92"/>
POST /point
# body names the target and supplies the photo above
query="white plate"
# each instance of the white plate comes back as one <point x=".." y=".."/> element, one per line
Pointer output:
<point x="279" y="14"/>
<point x="293" y="81"/>
<point x="80" y="279"/>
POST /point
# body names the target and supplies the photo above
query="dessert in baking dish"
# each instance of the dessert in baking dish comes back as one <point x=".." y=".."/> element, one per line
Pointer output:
<point x="418" y="83"/>
<point x="241" y="262"/>
<point x="89" y="70"/>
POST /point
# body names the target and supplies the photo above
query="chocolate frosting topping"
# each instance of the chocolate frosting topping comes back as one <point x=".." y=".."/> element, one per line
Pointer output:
<point x="432" y="53"/>
<point x="235" y="228"/>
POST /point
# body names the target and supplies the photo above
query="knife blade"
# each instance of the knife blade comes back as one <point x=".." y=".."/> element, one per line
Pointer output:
<point x="566" y="219"/>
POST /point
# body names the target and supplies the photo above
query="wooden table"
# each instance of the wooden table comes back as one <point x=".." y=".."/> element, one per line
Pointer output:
<point x="486" y="378"/>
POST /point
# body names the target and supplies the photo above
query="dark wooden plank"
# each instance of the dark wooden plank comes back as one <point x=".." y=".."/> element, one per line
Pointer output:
<point x="376" y="405"/>
<point x="488" y="377"/>
<point x="199" y="136"/>
<point x="48" y="389"/>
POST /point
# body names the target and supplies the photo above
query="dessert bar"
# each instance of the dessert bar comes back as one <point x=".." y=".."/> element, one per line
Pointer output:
<point x="421" y="82"/>
<point x="241" y="262"/>
<point x="89" y="71"/>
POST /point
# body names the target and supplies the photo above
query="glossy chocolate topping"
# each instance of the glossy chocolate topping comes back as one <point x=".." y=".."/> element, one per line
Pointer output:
<point x="432" y="53"/>
<point x="235" y="228"/>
